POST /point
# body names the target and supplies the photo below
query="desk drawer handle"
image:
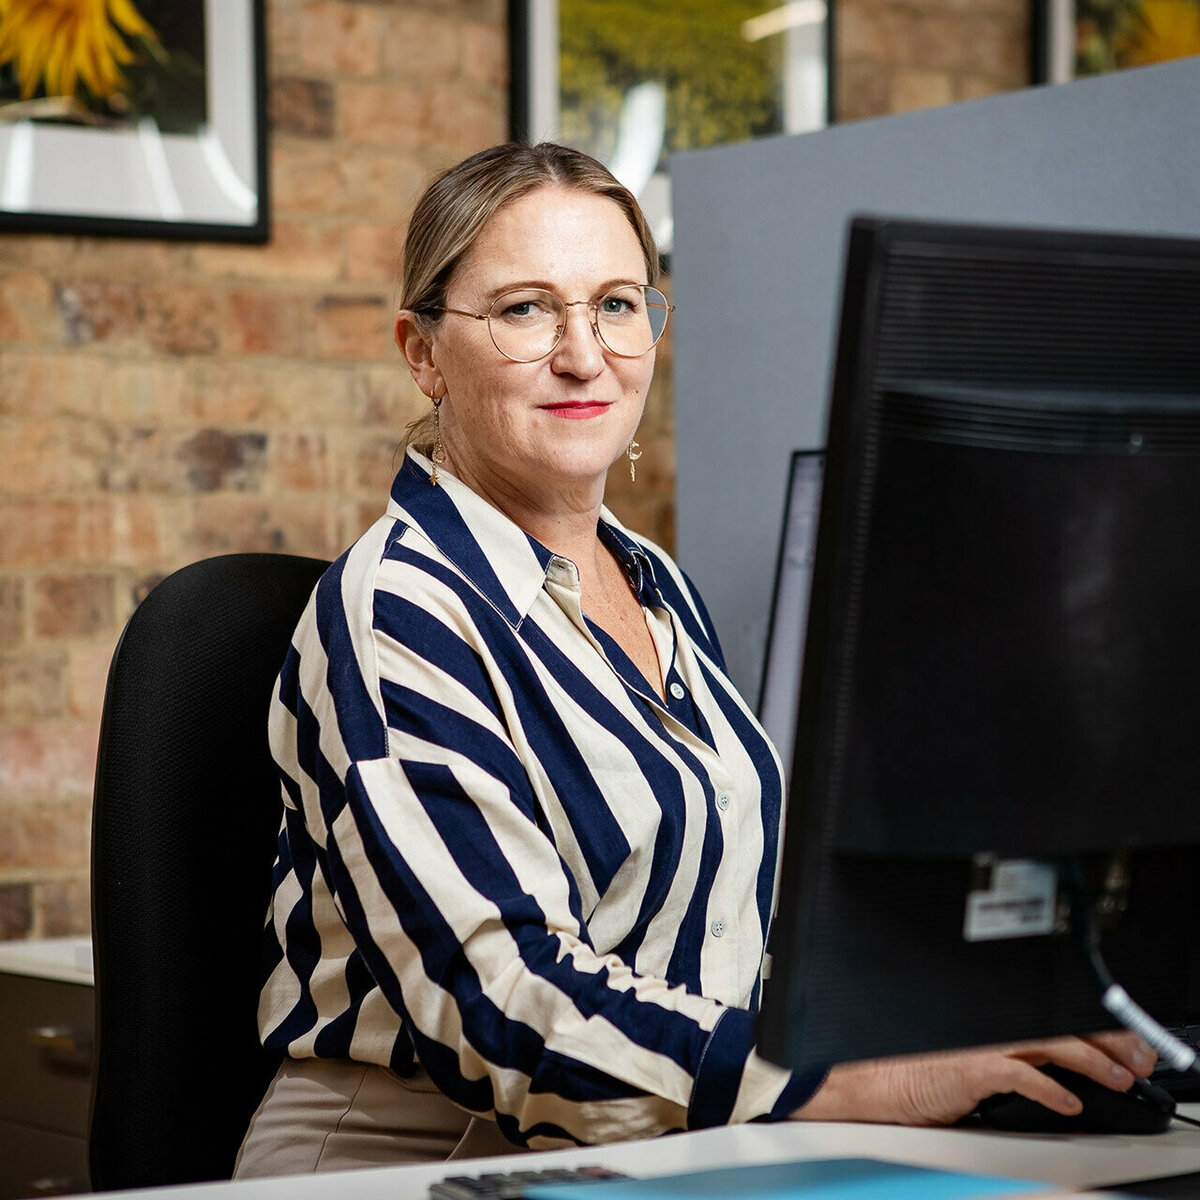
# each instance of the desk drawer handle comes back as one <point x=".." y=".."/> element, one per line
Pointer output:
<point x="62" y="1047"/>
<point x="59" y="1037"/>
<point x="51" y="1186"/>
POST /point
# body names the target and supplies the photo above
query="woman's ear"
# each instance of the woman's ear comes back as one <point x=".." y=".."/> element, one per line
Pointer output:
<point x="417" y="348"/>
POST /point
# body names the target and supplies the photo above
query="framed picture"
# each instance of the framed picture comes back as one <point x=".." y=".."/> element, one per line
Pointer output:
<point x="148" y="121"/>
<point x="1076" y="38"/>
<point x="632" y="81"/>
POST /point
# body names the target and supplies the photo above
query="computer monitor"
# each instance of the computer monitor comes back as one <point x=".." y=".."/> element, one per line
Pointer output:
<point x="1000" y="698"/>
<point x="779" y="692"/>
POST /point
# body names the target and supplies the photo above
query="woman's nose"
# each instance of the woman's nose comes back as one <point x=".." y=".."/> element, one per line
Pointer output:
<point x="579" y="350"/>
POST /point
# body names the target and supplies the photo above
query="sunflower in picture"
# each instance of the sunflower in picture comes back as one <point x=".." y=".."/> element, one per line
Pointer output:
<point x="72" y="48"/>
<point x="1160" y="30"/>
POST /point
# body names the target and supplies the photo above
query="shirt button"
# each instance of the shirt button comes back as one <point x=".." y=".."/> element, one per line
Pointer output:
<point x="722" y="800"/>
<point x="676" y="690"/>
<point x="718" y="928"/>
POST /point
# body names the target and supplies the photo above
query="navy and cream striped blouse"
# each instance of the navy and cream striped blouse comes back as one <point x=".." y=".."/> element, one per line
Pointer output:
<point x="501" y="856"/>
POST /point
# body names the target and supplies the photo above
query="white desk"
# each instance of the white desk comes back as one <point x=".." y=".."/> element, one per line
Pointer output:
<point x="1070" y="1162"/>
<point x="66" y="959"/>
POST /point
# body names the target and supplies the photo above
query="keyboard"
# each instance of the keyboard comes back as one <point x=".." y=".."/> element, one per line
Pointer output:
<point x="1183" y="1085"/>
<point x="511" y="1185"/>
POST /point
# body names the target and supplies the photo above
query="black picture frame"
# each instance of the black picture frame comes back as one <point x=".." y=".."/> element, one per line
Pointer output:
<point x="1052" y="29"/>
<point x="807" y="102"/>
<point x="519" y="67"/>
<point x="211" y="184"/>
<point x="530" y="39"/>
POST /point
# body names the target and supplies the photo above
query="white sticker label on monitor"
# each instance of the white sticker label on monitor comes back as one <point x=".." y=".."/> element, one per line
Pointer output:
<point x="1020" y="901"/>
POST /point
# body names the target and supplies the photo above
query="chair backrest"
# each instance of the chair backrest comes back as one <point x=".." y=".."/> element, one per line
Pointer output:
<point x="186" y="814"/>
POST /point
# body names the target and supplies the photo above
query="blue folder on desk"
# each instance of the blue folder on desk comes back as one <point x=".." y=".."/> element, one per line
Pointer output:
<point x="820" y="1179"/>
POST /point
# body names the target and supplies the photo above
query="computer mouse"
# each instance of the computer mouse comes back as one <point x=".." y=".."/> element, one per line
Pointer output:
<point x="1145" y="1108"/>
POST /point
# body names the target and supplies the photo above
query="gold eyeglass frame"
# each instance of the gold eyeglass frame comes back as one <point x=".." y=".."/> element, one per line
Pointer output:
<point x="593" y="314"/>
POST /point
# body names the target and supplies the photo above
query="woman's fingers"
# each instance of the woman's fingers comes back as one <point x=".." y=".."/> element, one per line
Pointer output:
<point x="1038" y="1086"/>
<point x="938" y="1089"/>
<point x="1126" y="1048"/>
<point x="1112" y="1059"/>
<point x="943" y="1087"/>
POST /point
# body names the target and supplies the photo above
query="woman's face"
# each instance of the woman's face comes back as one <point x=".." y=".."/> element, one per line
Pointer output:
<point x="543" y="432"/>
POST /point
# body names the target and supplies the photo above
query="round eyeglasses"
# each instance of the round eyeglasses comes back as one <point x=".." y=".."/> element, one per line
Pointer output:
<point x="527" y="323"/>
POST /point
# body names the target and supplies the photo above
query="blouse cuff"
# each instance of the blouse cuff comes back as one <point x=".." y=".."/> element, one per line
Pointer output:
<point x="729" y="1069"/>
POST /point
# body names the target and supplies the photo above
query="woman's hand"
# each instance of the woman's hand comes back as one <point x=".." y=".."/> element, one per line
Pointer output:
<point x="938" y="1089"/>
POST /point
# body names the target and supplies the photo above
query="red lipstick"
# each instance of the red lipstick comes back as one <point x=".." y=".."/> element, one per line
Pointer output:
<point x="578" y="410"/>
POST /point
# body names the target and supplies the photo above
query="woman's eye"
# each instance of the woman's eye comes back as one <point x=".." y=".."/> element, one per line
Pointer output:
<point x="615" y="306"/>
<point x="524" y="308"/>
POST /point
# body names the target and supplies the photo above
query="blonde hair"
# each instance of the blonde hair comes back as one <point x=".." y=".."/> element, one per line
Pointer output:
<point x="454" y="208"/>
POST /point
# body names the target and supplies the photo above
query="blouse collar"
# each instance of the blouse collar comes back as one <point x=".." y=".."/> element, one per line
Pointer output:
<point x="505" y="564"/>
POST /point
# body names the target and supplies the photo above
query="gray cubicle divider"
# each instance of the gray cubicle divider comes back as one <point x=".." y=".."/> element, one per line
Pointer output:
<point x="759" y="231"/>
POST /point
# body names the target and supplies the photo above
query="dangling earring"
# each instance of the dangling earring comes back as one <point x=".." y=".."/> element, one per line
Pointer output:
<point x="438" y="454"/>
<point x="634" y="451"/>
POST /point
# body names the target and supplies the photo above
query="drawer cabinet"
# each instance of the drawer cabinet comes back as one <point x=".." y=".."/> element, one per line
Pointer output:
<point x="46" y="1049"/>
<point x="36" y="1162"/>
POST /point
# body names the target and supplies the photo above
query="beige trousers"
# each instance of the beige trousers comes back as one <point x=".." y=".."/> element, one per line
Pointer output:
<point x="325" y="1115"/>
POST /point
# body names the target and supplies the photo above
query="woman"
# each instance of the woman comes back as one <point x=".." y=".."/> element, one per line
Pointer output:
<point x="530" y="829"/>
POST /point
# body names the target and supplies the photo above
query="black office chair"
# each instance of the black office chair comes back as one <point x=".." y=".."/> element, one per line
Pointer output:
<point x="184" y="824"/>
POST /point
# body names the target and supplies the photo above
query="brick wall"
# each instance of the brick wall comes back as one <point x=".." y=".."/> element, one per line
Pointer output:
<point x="894" y="56"/>
<point x="160" y="402"/>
